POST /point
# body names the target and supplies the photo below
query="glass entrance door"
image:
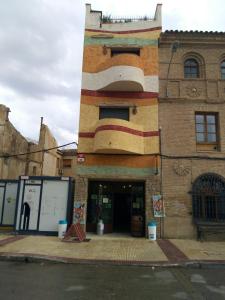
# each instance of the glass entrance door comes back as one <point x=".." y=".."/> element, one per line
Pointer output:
<point x="117" y="204"/>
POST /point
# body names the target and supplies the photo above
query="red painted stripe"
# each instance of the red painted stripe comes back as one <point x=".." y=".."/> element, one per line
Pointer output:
<point x="131" y="95"/>
<point x="125" y="32"/>
<point x="87" y="134"/>
<point x="119" y="128"/>
<point x="11" y="240"/>
<point x="171" y="251"/>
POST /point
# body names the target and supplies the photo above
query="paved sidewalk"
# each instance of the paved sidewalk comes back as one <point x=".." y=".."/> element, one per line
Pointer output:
<point x="113" y="249"/>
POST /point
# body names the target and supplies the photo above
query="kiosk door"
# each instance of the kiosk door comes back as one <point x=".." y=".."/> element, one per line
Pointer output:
<point x="30" y="208"/>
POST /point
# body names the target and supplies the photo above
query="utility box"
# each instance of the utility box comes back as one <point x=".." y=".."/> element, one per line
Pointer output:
<point x="8" y="195"/>
<point x="42" y="202"/>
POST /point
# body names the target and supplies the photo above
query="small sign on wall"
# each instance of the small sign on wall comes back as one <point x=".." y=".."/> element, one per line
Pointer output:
<point x="80" y="158"/>
<point x="158" y="206"/>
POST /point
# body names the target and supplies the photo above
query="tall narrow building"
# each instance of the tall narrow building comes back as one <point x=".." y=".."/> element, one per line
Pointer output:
<point x="118" y="153"/>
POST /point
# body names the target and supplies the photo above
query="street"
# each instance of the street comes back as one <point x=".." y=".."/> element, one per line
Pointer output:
<point x="23" y="281"/>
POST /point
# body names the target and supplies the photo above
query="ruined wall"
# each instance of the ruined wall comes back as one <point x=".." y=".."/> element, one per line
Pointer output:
<point x="13" y="143"/>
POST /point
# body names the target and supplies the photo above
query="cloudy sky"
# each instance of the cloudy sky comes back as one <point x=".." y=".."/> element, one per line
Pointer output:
<point x="41" y="53"/>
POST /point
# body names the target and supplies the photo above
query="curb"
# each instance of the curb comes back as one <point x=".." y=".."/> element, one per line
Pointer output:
<point x="36" y="258"/>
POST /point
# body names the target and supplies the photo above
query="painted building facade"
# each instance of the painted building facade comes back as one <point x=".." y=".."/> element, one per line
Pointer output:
<point x="192" y="118"/>
<point x="118" y="149"/>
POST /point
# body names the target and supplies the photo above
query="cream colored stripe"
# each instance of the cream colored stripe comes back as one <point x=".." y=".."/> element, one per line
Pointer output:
<point x="115" y="77"/>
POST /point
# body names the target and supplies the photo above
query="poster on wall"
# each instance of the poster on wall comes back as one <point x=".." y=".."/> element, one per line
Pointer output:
<point x="78" y="213"/>
<point x="158" y="206"/>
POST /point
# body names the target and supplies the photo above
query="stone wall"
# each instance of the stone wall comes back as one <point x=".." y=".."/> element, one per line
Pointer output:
<point x="13" y="143"/>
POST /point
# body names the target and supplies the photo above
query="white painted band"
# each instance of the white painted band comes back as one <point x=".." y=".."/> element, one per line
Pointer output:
<point x="122" y="78"/>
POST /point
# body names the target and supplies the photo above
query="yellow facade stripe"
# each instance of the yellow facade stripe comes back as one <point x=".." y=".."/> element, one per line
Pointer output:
<point x="94" y="61"/>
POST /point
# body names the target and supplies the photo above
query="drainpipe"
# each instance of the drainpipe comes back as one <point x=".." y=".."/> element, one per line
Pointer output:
<point x="161" y="179"/>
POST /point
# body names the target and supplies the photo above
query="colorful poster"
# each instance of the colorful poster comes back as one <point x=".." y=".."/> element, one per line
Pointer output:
<point x="158" y="206"/>
<point x="78" y="213"/>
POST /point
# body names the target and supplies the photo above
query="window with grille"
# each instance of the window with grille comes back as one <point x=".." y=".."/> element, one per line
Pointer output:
<point x="208" y="196"/>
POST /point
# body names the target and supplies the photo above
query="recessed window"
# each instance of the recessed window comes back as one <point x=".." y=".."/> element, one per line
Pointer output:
<point x="34" y="171"/>
<point x="114" y="113"/>
<point x="206" y="128"/>
<point x="191" y="68"/>
<point x="222" y="69"/>
<point x="117" y="51"/>
<point x="67" y="163"/>
<point x="57" y="163"/>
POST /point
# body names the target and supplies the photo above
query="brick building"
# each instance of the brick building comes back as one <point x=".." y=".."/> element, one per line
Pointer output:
<point x="118" y="152"/>
<point x="192" y="121"/>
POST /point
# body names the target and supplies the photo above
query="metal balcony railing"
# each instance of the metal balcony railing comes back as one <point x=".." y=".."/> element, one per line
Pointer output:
<point x="110" y="19"/>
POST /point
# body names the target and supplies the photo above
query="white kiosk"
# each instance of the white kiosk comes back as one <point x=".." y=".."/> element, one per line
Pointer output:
<point x="42" y="202"/>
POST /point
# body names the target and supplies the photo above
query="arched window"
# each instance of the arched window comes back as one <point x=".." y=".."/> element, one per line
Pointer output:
<point x="222" y="69"/>
<point x="208" y="196"/>
<point x="191" y="68"/>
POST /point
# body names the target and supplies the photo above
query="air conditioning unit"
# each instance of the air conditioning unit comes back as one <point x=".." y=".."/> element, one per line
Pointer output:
<point x="60" y="171"/>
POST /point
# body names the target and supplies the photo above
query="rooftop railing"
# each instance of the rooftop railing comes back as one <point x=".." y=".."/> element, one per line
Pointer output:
<point x="112" y="20"/>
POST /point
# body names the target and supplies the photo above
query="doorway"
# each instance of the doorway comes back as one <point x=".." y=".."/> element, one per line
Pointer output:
<point x="117" y="204"/>
<point x="121" y="212"/>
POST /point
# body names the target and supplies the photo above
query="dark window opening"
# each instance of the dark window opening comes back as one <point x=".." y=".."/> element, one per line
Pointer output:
<point x="114" y="113"/>
<point x="117" y="51"/>
<point x="67" y="163"/>
<point x="191" y="68"/>
<point x="209" y="198"/>
<point x="206" y="128"/>
<point x="34" y="171"/>
<point x="222" y="68"/>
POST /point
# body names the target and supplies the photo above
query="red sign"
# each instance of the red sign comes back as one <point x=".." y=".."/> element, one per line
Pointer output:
<point x="80" y="158"/>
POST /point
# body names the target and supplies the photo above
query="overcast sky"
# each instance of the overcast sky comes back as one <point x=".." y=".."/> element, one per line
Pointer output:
<point x="41" y="53"/>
